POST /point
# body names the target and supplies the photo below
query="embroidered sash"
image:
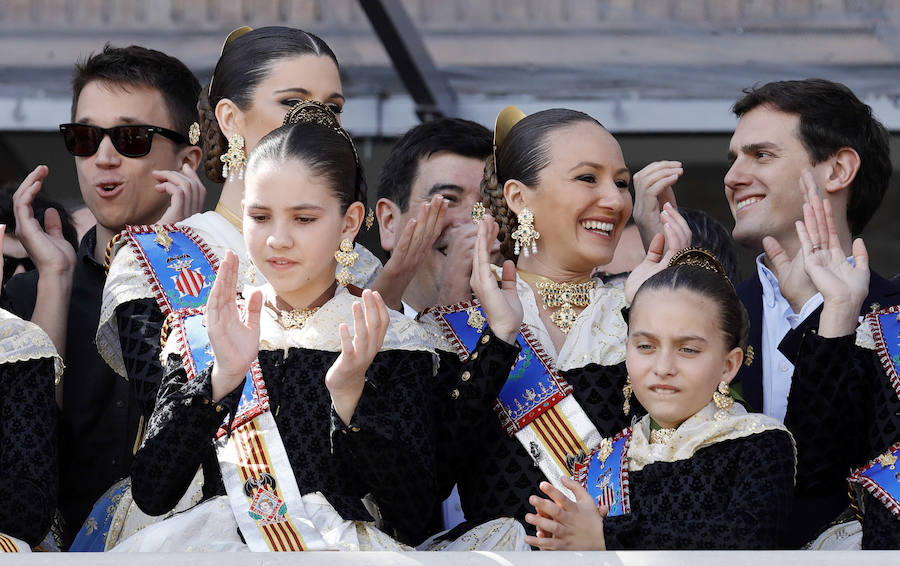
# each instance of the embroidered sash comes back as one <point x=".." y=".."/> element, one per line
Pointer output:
<point x="262" y="490"/>
<point x="881" y="478"/>
<point x="11" y="544"/>
<point x="535" y="404"/>
<point x="261" y="486"/>
<point x="605" y="473"/>
<point x="179" y="267"/>
<point x="885" y="325"/>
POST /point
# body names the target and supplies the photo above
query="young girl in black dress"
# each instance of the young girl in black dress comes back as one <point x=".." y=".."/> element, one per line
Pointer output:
<point x="697" y="471"/>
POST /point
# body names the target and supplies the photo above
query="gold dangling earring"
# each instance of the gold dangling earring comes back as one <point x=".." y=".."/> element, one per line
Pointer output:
<point x="346" y="257"/>
<point x="234" y="159"/>
<point x="626" y="391"/>
<point x="370" y="219"/>
<point x="525" y="235"/>
<point x="723" y="400"/>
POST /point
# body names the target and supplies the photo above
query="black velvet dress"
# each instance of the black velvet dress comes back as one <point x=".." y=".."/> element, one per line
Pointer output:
<point x="734" y="494"/>
<point x="386" y="451"/>
<point x="28" y="452"/>
<point x="843" y="411"/>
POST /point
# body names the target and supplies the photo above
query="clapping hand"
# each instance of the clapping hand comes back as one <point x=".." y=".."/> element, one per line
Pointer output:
<point x="52" y="254"/>
<point x="564" y="524"/>
<point x="844" y="286"/>
<point x="347" y="375"/>
<point x="186" y="193"/>
<point x="501" y="305"/>
<point x="662" y="249"/>
<point x="233" y="331"/>
<point x="415" y="241"/>
<point x="456" y="272"/>
<point x="653" y="189"/>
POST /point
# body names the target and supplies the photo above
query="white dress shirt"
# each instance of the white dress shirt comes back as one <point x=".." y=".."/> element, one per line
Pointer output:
<point x="778" y="319"/>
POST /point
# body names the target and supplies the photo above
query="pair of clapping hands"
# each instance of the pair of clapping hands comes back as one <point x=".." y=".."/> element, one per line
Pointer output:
<point x="52" y="255"/>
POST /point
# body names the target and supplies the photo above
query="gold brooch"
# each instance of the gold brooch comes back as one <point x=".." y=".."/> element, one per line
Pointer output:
<point x="477" y="212"/>
<point x="887" y="460"/>
<point x="162" y="238"/>
<point x="604" y="451"/>
<point x="748" y="359"/>
<point x="476" y="319"/>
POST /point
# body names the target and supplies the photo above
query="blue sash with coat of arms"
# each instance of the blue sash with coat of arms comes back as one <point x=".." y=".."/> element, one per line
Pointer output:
<point x="881" y="476"/>
<point x="188" y="327"/>
<point x="533" y="386"/>
<point x="181" y="269"/>
<point x="605" y="473"/>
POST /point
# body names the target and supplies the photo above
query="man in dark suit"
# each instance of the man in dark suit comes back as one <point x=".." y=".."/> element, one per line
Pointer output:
<point x="784" y="129"/>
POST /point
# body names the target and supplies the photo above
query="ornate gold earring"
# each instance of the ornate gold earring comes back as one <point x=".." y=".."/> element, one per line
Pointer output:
<point x="234" y="159"/>
<point x="370" y="219"/>
<point x="626" y="391"/>
<point x="723" y="400"/>
<point x="346" y="257"/>
<point x="525" y="235"/>
<point x="478" y="212"/>
<point x="194" y="133"/>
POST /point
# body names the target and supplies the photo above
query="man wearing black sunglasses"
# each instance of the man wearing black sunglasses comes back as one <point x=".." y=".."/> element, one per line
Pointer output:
<point x="131" y="110"/>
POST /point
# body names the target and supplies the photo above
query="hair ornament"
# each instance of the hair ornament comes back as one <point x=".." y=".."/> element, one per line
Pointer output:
<point x="236" y="33"/>
<point x="314" y="112"/>
<point x="194" y="133"/>
<point x="506" y="119"/>
<point x="699" y="257"/>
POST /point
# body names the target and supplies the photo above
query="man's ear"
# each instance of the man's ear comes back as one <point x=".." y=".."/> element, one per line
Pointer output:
<point x="191" y="155"/>
<point x="514" y="191"/>
<point x="388" y="214"/>
<point x="844" y="165"/>
<point x="229" y="117"/>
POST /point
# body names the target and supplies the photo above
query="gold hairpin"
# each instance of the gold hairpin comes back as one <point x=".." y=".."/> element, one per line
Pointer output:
<point x="236" y="33"/>
<point x="506" y="119"/>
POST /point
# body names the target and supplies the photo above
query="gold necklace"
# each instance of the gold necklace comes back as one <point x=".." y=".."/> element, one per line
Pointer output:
<point x="660" y="435"/>
<point x="292" y="318"/>
<point x="563" y="296"/>
<point x="231" y="217"/>
<point x="295" y="318"/>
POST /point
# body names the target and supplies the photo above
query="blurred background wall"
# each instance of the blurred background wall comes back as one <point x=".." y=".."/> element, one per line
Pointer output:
<point x="660" y="74"/>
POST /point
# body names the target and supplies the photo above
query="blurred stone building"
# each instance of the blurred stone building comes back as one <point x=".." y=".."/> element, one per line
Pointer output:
<point x="660" y="74"/>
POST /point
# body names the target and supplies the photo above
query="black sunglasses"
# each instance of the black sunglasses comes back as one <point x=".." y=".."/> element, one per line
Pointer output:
<point x="10" y="264"/>
<point x="131" y="140"/>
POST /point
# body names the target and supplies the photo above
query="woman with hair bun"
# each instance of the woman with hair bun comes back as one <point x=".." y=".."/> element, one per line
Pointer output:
<point x="558" y="187"/>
